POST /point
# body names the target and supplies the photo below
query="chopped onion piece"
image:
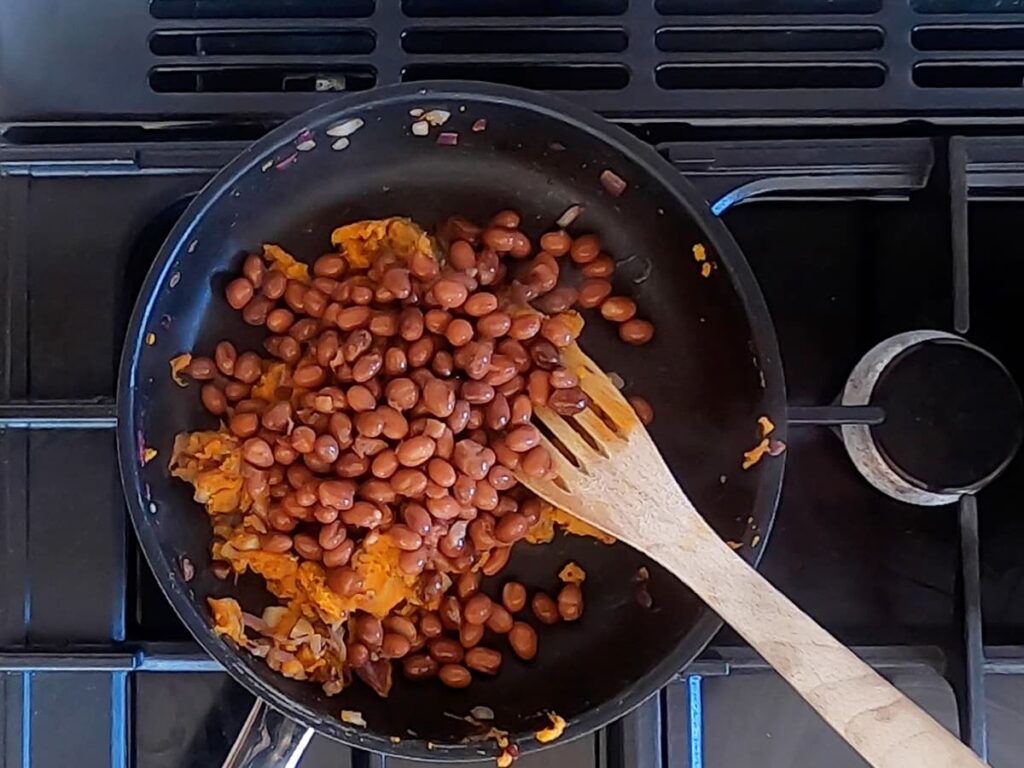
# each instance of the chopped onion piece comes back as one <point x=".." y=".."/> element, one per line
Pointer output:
<point x="480" y="125"/>
<point x="416" y="112"/>
<point x="352" y="717"/>
<point x="341" y="143"/>
<point x="613" y="184"/>
<point x="420" y="128"/>
<point x="481" y="712"/>
<point x="448" y="138"/>
<point x="437" y="116"/>
<point x="346" y="128"/>
<point x="571" y="214"/>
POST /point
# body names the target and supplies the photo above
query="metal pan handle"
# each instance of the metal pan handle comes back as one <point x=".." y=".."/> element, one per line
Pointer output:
<point x="268" y="739"/>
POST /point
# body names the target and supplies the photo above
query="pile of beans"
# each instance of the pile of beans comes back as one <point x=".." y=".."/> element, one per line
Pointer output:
<point x="406" y="411"/>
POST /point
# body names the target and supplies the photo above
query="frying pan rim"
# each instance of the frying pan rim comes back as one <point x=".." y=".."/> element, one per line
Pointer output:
<point x="658" y="169"/>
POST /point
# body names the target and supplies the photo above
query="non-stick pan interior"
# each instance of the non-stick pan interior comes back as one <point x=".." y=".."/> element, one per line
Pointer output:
<point x="701" y="373"/>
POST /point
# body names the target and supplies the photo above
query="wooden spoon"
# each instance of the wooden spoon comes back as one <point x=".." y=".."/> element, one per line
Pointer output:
<point x="608" y="472"/>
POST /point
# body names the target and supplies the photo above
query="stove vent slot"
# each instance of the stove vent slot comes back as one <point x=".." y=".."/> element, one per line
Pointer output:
<point x="738" y="39"/>
<point x="767" y="7"/>
<point x="973" y="7"/>
<point x="496" y="40"/>
<point x="550" y="77"/>
<point x="504" y="8"/>
<point x="969" y="74"/>
<point x="261" y="9"/>
<point x="768" y="76"/>
<point x="270" y="78"/>
<point x="252" y="42"/>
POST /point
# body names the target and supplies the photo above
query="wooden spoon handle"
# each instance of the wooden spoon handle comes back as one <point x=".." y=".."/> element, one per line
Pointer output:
<point x="870" y="714"/>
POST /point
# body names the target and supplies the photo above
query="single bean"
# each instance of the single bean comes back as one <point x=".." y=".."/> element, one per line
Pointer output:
<point x="556" y="243"/>
<point x="544" y="608"/>
<point x="499" y="239"/>
<point x="358" y="655"/>
<point x="368" y="630"/>
<point x="405" y="539"/>
<point x="459" y="332"/>
<point x="568" y="401"/>
<point x="525" y="326"/>
<point x="494" y="325"/>
<point x="340" y="555"/>
<point x="523" y="639"/>
<point x="558" y="300"/>
<point x="253" y="269"/>
<point x="644" y="410"/>
<point x="362" y="514"/>
<point x="410" y="483"/>
<point x="455" y="675"/>
<point x="326" y="449"/>
<point x="420" y="667"/>
<point x="417" y="518"/>
<point x="507" y="218"/>
<point x="513" y="596"/>
<point x="439" y="398"/>
<point x="413" y="563"/>
<point x="394" y="646"/>
<point x="603" y="266"/>
<point x="585" y="249"/>
<point x="636" y="332"/>
<point x="467" y="585"/>
<point x="486" y="660"/>
<point x="274" y="285"/>
<point x="450" y="293"/>
<point x="258" y="452"/>
<point x="618" y="309"/>
<point x="461" y="256"/>
<point x="511" y="528"/>
<point x="498" y="560"/>
<point x="415" y="450"/>
<point x="537" y="462"/>
<point x="522" y="439"/>
<point x="570" y="602"/>
<point x="213" y="399"/>
<point x="239" y="292"/>
<point x="332" y="535"/>
<point x="278" y="416"/>
<point x="593" y="292"/>
<point x="276" y="543"/>
<point x="307" y="547"/>
<point x="451" y="613"/>
<point x="470" y="635"/>
<point x="477" y="609"/>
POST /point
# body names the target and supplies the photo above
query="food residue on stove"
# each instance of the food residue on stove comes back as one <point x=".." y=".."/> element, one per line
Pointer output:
<point x="572" y="573"/>
<point x="766" y="446"/>
<point x="178" y="365"/>
<point x="354" y="717"/>
<point x="552" y="732"/>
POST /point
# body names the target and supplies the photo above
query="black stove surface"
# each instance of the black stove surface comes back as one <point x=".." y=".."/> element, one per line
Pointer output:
<point x="851" y="242"/>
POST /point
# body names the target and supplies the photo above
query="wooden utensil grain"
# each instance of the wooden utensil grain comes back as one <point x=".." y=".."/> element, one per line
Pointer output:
<point x="608" y="472"/>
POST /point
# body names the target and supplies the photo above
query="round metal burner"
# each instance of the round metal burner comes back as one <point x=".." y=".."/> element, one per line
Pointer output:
<point x="954" y="417"/>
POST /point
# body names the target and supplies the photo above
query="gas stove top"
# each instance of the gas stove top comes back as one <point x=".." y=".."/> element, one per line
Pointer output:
<point x="860" y="226"/>
<point x="850" y="242"/>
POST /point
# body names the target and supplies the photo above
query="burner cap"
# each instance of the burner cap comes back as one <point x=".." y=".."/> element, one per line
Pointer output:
<point x="953" y="417"/>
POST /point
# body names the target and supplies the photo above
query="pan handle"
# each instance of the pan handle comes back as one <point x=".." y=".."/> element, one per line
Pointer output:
<point x="268" y="739"/>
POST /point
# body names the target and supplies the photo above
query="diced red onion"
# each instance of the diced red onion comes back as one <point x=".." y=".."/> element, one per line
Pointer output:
<point x="480" y="125"/>
<point x="448" y="138"/>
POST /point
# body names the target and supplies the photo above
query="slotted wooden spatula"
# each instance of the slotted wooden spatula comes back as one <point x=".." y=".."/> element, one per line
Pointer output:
<point x="610" y="474"/>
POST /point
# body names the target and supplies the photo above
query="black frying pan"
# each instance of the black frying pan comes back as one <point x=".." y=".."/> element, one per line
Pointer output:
<point x="711" y="370"/>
